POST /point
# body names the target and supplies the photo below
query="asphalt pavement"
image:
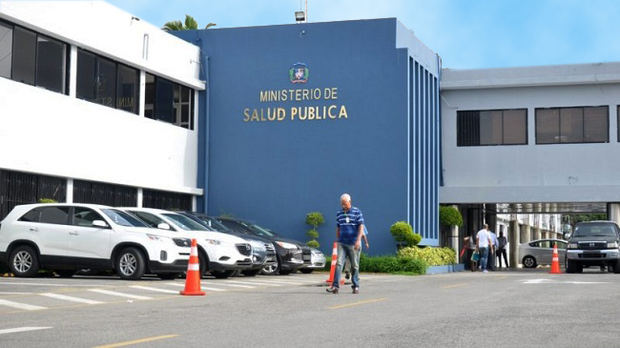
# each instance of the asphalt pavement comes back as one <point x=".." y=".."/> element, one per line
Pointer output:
<point x="520" y="308"/>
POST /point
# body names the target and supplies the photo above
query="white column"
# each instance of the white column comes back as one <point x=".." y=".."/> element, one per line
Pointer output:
<point x="193" y="203"/>
<point x="142" y="97"/>
<point x="69" y="194"/>
<point x="73" y="71"/>
<point x="139" y="197"/>
<point x="613" y="212"/>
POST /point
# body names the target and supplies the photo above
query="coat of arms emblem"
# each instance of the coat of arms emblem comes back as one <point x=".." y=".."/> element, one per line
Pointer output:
<point x="298" y="73"/>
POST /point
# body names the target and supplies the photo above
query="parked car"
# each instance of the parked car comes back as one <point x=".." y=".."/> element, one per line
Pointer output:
<point x="219" y="253"/>
<point x="288" y="251"/>
<point x="263" y="251"/>
<point x="69" y="237"/>
<point x="540" y="252"/>
<point x="316" y="261"/>
<point x="594" y="243"/>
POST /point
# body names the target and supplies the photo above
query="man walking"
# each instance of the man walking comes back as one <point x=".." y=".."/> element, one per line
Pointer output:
<point x="483" y="242"/>
<point x="492" y="249"/>
<point x="349" y="230"/>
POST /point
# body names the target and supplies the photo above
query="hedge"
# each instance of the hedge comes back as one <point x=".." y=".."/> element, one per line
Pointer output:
<point x="432" y="256"/>
<point x="387" y="264"/>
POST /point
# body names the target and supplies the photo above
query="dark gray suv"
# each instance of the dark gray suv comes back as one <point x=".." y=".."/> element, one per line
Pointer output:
<point x="594" y="243"/>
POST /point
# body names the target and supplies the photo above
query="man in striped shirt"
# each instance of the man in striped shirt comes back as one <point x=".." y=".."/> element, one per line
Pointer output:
<point x="349" y="230"/>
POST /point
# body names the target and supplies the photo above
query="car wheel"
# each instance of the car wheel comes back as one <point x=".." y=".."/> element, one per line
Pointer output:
<point x="203" y="261"/>
<point x="573" y="267"/>
<point x="272" y="269"/>
<point x="616" y="267"/>
<point x="287" y="272"/>
<point x="65" y="273"/>
<point x="23" y="261"/>
<point x="529" y="262"/>
<point x="130" y="264"/>
<point x="250" y="272"/>
<point x="222" y="274"/>
<point x="306" y="270"/>
<point x="168" y="276"/>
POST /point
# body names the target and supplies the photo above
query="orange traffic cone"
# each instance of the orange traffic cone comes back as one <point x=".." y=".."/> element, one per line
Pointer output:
<point x="332" y="270"/>
<point x="555" y="261"/>
<point x="192" y="279"/>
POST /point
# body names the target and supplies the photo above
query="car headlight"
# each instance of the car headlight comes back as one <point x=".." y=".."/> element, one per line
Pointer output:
<point x="213" y="241"/>
<point x="156" y="237"/>
<point x="286" y="245"/>
<point x="612" y="245"/>
<point x="573" y="246"/>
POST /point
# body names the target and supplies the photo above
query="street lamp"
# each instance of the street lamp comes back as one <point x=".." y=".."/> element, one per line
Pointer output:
<point x="300" y="16"/>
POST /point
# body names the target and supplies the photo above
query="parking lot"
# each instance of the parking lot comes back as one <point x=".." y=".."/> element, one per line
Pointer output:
<point x="517" y="308"/>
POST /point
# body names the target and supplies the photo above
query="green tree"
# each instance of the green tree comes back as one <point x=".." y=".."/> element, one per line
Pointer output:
<point x="450" y="216"/>
<point x="190" y="24"/>
<point x="314" y="219"/>
<point x="404" y="235"/>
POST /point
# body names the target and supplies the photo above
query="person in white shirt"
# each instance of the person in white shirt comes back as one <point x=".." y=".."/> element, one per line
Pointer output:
<point x="483" y="242"/>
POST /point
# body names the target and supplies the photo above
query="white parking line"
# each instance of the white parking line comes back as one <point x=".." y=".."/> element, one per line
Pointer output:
<point x="236" y="285"/>
<point x="69" y="298"/>
<point x="251" y="283"/>
<point x="148" y="288"/>
<point x="44" y="284"/>
<point x="19" y="305"/>
<point x="202" y="287"/>
<point x="25" y="328"/>
<point x="15" y="293"/>
<point x="286" y="282"/>
<point x="120" y="294"/>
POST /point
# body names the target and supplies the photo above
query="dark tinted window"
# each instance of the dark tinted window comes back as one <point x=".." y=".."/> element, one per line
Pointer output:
<point x="493" y="127"/>
<point x="572" y="125"/>
<point x="32" y="216"/>
<point x="85" y="217"/>
<point x="169" y="102"/>
<point x="86" y="72"/>
<point x="150" y="219"/>
<point x="166" y="200"/>
<point x="6" y="49"/>
<point x="51" y="64"/>
<point x="164" y="94"/>
<point x="596" y="230"/>
<point x="24" y="54"/>
<point x="149" y="96"/>
<point x="127" y="89"/>
<point x="55" y="215"/>
<point x="105" y="83"/>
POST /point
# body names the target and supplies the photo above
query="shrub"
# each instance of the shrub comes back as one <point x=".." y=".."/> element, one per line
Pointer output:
<point x="313" y="244"/>
<point x="392" y="264"/>
<point x="314" y="219"/>
<point x="432" y="256"/>
<point x="450" y="216"/>
<point x="47" y="200"/>
<point x="404" y="235"/>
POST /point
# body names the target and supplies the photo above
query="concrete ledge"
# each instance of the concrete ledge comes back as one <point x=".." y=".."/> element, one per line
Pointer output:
<point x="459" y="267"/>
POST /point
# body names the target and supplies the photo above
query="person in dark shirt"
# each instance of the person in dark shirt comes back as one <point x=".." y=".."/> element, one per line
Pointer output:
<point x="349" y="231"/>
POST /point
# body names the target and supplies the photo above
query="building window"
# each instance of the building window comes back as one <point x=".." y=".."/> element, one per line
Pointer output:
<point x="492" y="127"/>
<point x="106" y="194"/>
<point x="32" y="58"/>
<point x="169" y="102"/>
<point x="572" y="125"/>
<point x="24" y="188"/>
<point x="6" y="49"/>
<point x="105" y="82"/>
<point x="166" y="200"/>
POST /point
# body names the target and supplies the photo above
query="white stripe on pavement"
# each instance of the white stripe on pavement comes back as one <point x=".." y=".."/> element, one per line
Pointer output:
<point x="19" y="305"/>
<point x="120" y="294"/>
<point x="281" y="282"/>
<point x="69" y="298"/>
<point x="202" y="287"/>
<point x="251" y="283"/>
<point x="235" y="285"/>
<point x="25" y="328"/>
<point x="148" y="288"/>
<point x="14" y="293"/>
<point x="43" y="284"/>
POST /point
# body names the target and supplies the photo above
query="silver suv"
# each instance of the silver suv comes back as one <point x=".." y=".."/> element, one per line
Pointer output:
<point x="69" y="237"/>
<point x="594" y="243"/>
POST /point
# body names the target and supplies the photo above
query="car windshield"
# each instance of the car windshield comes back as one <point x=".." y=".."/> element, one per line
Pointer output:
<point x="123" y="219"/>
<point x="261" y="231"/>
<point x="185" y="223"/>
<point x="595" y="230"/>
<point x="218" y="226"/>
<point x="199" y="220"/>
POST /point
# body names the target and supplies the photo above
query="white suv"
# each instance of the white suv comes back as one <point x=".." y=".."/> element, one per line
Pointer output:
<point x="69" y="237"/>
<point x="220" y="254"/>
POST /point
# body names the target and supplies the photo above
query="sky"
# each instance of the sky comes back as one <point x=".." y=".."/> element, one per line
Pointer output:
<point x="467" y="34"/>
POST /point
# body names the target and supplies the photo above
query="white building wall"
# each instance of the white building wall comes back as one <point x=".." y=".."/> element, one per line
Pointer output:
<point x="530" y="173"/>
<point x="54" y="134"/>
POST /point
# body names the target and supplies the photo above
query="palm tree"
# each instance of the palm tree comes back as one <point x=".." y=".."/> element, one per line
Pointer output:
<point x="190" y="24"/>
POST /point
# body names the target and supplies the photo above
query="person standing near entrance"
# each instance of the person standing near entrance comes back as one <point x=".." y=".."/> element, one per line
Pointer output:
<point x="501" y="249"/>
<point x="349" y="231"/>
<point x="483" y="242"/>
<point x="492" y="249"/>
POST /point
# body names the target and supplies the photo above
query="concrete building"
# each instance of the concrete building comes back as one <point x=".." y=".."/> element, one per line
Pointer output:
<point x="95" y="106"/>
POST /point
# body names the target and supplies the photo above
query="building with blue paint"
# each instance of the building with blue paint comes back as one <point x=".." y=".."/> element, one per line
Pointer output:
<point x="298" y="114"/>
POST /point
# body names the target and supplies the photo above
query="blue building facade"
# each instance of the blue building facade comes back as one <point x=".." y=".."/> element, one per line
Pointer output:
<point x="295" y="115"/>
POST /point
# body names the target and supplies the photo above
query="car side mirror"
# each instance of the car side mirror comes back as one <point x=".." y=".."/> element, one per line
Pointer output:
<point x="100" y="223"/>
<point x="163" y="226"/>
